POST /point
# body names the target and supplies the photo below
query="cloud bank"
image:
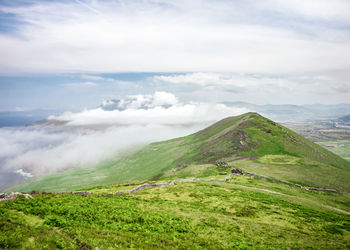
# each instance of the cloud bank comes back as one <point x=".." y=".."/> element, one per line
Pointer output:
<point x="91" y="137"/>
<point x="271" y="36"/>
<point x="161" y="108"/>
<point x="263" y="89"/>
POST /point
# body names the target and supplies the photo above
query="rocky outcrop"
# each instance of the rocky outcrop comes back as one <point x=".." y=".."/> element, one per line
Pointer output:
<point x="221" y="163"/>
<point x="12" y="196"/>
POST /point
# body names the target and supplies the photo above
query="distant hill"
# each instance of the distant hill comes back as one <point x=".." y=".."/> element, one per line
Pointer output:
<point x="344" y="118"/>
<point x="249" y="141"/>
<point x="276" y="112"/>
<point x="293" y="113"/>
<point x="23" y="118"/>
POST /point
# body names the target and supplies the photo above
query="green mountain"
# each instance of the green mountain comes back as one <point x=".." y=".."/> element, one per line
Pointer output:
<point x="249" y="142"/>
<point x="210" y="211"/>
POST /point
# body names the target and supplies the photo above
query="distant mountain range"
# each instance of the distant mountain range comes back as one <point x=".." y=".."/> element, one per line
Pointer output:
<point x="289" y="112"/>
<point x="23" y="118"/>
<point x="280" y="113"/>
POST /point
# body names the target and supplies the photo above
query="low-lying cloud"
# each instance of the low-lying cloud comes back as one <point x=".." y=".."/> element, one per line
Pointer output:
<point x="161" y="108"/>
<point x="92" y="137"/>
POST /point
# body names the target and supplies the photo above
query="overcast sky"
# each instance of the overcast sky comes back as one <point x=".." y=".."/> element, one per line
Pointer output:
<point x="73" y="54"/>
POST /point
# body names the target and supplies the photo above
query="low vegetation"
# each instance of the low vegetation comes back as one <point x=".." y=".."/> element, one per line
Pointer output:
<point x="240" y="213"/>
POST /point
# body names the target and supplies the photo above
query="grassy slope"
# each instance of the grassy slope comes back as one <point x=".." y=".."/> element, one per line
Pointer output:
<point x="241" y="213"/>
<point x="246" y="135"/>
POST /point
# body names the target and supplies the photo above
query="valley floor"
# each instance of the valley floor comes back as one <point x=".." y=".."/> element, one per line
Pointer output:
<point x="335" y="139"/>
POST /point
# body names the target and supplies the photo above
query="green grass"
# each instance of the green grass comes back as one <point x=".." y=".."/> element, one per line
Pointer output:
<point x="274" y="139"/>
<point x="305" y="173"/>
<point x="242" y="213"/>
<point x="279" y="159"/>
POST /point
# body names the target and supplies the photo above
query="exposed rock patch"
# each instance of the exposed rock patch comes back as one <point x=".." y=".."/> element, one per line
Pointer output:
<point x="12" y="196"/>
<point x="221" y="163"/>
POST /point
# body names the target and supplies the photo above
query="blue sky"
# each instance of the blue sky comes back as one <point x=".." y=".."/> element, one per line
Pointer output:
<point x="70" y="55"/>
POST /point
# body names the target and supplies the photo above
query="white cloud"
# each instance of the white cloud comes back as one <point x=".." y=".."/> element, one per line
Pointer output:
<point x="80" y="147"/>
<point x="200" y="78"/>
<point x="80" y="84"/>
<point x="273" y="89"/>
<point x="174" y="115"/>
<point x="92" y="77"/>
<point x="176" y="36"/>
<point x="160" y="108"/>
<point x="164" y="98"/>
<point x="97" y="78"/>
<point x="91" y="137"/>
<point x="234" y="81"/>
<point x="337" y="10"/>
<point x="23" y="173"/>
<point x="19" y="109"/>
<point x="159" y="98"/>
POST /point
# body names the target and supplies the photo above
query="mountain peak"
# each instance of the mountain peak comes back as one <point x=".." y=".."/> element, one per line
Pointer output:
<point x="252" y="135"/>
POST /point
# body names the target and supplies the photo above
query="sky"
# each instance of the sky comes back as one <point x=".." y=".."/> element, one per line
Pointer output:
<point x="71" y="55"/>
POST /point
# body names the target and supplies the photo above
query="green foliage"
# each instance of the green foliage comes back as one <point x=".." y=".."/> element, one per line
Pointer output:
<point x="54" y="221"/>
<point x="333" y="229"/>
<point x="246" y="212"/>
<point x="241" y="213"/>
<point x="19" y="231"/>
<point x="279" y="159"/>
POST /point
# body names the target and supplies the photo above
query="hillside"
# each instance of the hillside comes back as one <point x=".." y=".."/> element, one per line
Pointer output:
<point x="249" y="141"/>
